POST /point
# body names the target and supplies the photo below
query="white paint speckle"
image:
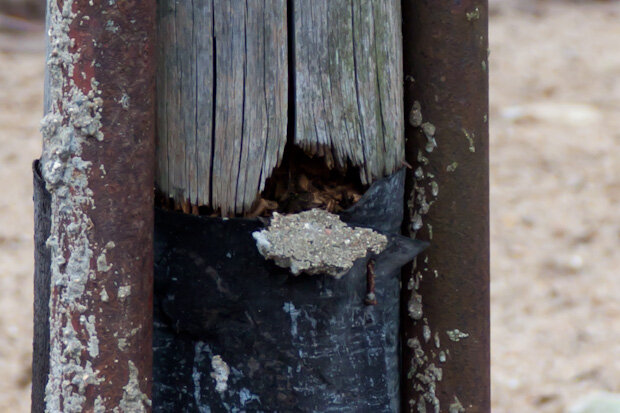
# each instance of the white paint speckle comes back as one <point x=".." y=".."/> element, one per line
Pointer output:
<point x="294" y="313"/>
<point x="111" y="27"/>
<point x="124" y="101"/>
<point x="245" y="396"/>
<point x="104" y="295"/>
<point x="122" y="344"/>
<point x="456" y="406"/>
<point x="93" y="340"/>
<point x="220" y="373"/>
<point x="124" y="292"/>
<point x="456" y="334"/>
<point x="102" y="262"/>
<point x="452" y="167"/>
<point x="134" y="400"/>
<point x="199" y="356"/>
<point x="415" y="115"/>
<point x="426" y="333"/>
<point x="470" y="140"/>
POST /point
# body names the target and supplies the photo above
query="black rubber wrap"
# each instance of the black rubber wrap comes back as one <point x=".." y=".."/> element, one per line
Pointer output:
<point x="308" y="343"/>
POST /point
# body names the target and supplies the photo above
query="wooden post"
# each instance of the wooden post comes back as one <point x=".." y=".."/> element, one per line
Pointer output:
<point x="446" y="360"/>
<point x="348" y="84"/>
<point x="98" y="166"/>
<point x="222" y="100"/>
<point x="244" y="85"/>
<point x="224" y="74"/>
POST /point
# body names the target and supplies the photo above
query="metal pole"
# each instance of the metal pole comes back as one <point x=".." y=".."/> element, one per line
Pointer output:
<point x="446" y="327"/>
<point x="98" y="165"/>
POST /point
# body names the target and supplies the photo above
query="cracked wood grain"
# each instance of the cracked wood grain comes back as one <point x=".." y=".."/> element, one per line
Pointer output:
<point x="222" y="100"/>
<point x="224" y="74"/>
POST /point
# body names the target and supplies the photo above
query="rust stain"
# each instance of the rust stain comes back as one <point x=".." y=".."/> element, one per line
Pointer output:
<point x="101" y="237"/>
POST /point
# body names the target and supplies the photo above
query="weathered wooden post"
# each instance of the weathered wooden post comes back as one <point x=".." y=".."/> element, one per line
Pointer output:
<point x="98" y="166"/>
<point x="224" y="78"/>
<point x="290" y="104"/>
<point x="446" y="359"/>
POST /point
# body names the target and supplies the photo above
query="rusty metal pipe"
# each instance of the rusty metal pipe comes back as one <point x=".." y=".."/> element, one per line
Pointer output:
<point x="98" y="165"/>
<point x="446" y="327"/>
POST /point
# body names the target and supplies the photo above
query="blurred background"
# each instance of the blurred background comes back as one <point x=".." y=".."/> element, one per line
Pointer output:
<point x="555" y="202"/>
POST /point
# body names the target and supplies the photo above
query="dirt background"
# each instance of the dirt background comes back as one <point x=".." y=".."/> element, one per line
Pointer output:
<point x="555" y="194"/>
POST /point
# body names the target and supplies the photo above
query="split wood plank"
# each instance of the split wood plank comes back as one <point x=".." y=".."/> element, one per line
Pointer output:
<point x="223" y="93"/>
<point x="222" y="99"/>
<point x="349" y="84"/>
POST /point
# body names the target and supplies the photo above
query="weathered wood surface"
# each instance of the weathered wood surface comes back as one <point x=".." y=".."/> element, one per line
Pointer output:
<point x="223" y="101"/>
<point x="348" y="83"/>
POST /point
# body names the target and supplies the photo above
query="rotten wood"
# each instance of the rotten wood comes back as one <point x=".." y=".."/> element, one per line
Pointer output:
<point x="98" y="165"/>
<point x="222" y="100"/>
<point x="446" y="360"/>
<point x="224" y="73"/>
<point x="348" y="84"/>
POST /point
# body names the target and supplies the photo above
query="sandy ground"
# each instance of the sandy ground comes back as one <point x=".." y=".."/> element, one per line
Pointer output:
<point x="555" y="194"/>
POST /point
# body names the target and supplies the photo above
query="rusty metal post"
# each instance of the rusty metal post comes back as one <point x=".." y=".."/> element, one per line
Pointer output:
<point x="98" y="165"/>
<point x="446" y="329"/>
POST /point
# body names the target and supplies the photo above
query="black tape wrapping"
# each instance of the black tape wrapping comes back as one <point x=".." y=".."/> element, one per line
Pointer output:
<point x="42" y="262"/>
<point x="292" y="344"/>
